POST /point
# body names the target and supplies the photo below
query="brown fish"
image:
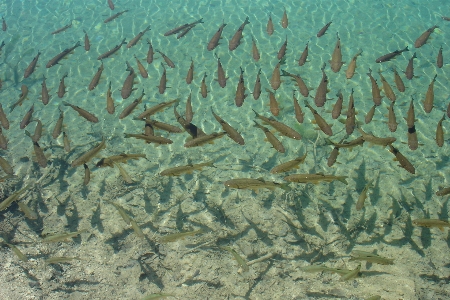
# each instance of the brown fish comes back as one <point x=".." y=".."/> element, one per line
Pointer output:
<point x="189" y="169"/>
<point x="45" y="96"/>
<point x="334" y="155"/>
<point x="203" y="88"/>
<point x="190" y="128"/>
<point x="4" y="26"/>
<point x="127" y="87"/>
<point x="445" y="18"/>
<point x="255" y="52"/>
<point x="159" y="140"/>
<point x="284" y="20"/>
<point x="402" y="160"/>
<point x="6" y="167"/>
<point x="182" y="27"/>
<point x="3" y="140"/>
<point x="273" y="103"/>
<point x="387" y="88"/>
<point x="32" y="66"/>
<point x="336" y="58"/>
<point x="240" y="91"/>
<point x="112" y="51"/>
<point x="440" y="132"/>
<point x="150" y="52"/>
<point x="95" y="80"/>
<point x="204" y="139"/>
<point x="59" y="125"/>
<point x="236" y="39"/>
<point x="323" y="30"/>
<point x="3" y="119"/>
<point x="422" y="39"/>
<point x="62" y="86"/>
<point x="185" y="31"/>
<point x="136" y="39"/>
<point x="111" y="4"/>
<point x="190" y="74"/>
<point x="277" y="145"/>
<point x="283" y="129"/>
<point x="62" y="28"/>
<point x="232" y="133"/>
<point x="189" y="114"/>
<point x="282" y="51"/>
<point x="413" y="144"/>
<point x="337" y="107"/>
<point x="352" y="66"/>
<point x="166" y="59"/>
<point x="27" y="118"/>
<point x="323" y="125"/>
<point x="443" y="191"/>
<point x="398" y="81"/>
<point x="23" y="95"/>
<point x="392" y="121"/>
<point x="350" y="121"/>
<point x="275" y="80"/>
<point x="314" y="178"/>
<point x="37" y="131"/>
<point x="129" y="109"/>
<point x="214" y="42"/>
<point x="40" y="156"/>
<point x="87" y="43"/>
<point x="300" y="83"/>
<point x="370" y="138"/>
<point x="269" y="27"/>
<point x="88" y="155"/>
<point x="114" y="16"/>
<point x="389" y="56"/>
<point x="429" y="97"/>
<point x="299" y="114"/>
<point x="351" y="144"/>
<point x="440" y="59"/>
<point x="410" y="68"/>
<point x="141" y="68"/>
<point x="157" y="108"/>
<point x="163" y="126"/>
<point x="302" y="60"/>
<point x="87" y="174"/>
<point x="376" y="94"/>
<point x="221" y="77"/>
<point x="289" y="165"/>
<point x="85" y="114"/>
<point x="55" y="60"/>
<point x="110" y="108"/>
<point x="257" y="87"/>
<point x="369" y="116"/>
<point x="321" y="94"/>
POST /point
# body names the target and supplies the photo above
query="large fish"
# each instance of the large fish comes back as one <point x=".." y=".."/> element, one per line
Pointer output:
<point x="236" y="39"/>
<point x="422" y="39"/>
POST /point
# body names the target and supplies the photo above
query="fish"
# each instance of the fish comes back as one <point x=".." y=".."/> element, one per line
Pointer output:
<point x="299" y="114"/>
<point x="214" y="42"/>
<point x="445" y="18"/>
<point x="254" y="184"/>
<point x="40" y="156"/>
<point x="127" y="87"/>
<point x="255" y="52"/>
<point x="190" y="74"/>
<point x="356" y="142"/>
<point x="14" y="197"/>
<point x="289" y="165"/>
<point x="157" y="108"/>
<point x="62" y="28"/>
<point x="242" y="263"/>
<point x="84" y="113"/>
<point x="440" y="132"/>
<point x="353" y="274"/>
<point x="410" y="67"/>
<point x="111" y="51"/>
<point x="236" y="39"/>
<point x="352" y="66"/>
<point x="4" y="25"/>
<point x="190" y="128"/>
<point x="66" y="142"/>
<point x="32" y="66"/>
<point x="430" y="223"/>
<point x="121" y="158"/>
<point x="376" y="94"/>
<point x="37" y="131"/>
<point x="323" y="125"/>
<point x="150" y="52"/>
<point x="423" y="38"/>
<point x="166" y="59"/>
<point x="189" y="114"/>
<point x="88" y="155"/>
<point x="275" y="80"/>
<point x="334" y="155"/>
<point x="121" y="211"/>
<point x="137" y="229"/>
<point x="376" y="140"/>
<point x="163" y="80"/>
<point x="387" y="88"/>
<point x="282" y="51"/>
<point x="111" y="4"/>
<point x="95" y="80"/>
<point x="389" y="56"/>
<point x="129" y="109"/>
<point x="443" y="191"/>
<point x="321" y="94"/>
<point x="284" y="20"/>
<point x="56" y="59"/>
<point x="324" y="29"/>
<point x="110" y="108"/>
<point x="398" y="81"/>
<point x="283" y="129"/>
<point x="392" y="122"/>
<point x="257" y="87"/>
<point x="402" y="160"/>
<point x="17" y="252"/>
<point x="300" y="83"/>
<point x="336" y="58"/>
<point x="87" y="43"/>
<point x="163" y="126"/>
<point x="26" y="119"/>
<point x="6" y="167"/>
<point x="23" y="95"/>
<point x="115" y="16"/>
<point x="240" y="90"/>
<point x="178" y="236"/>
<point x="428" y="103"/>
<point x="62" y="237"/>
<point x="188" y="169"/>
<point x="182" y="27"/>
<point x="269" y="26"/>
<point x="303" y="58"/>
<point x="314" y="178"/>
<point x="159" y="140"/>
<point x="350" y="121"/>
<point x="136" y="39"/>
<point x="337" y="107"/>
<point x="232" y="133"/>
<point x="362" y="197"/>
<point x="203" y="88"/>
<point x="277" y="145"/>
<point x="412" y="135"/>
<point x="273" y="103"/>
<point x="87" y="174"/>
<point x="3" y="140"/>
<point x="185" y="31"/>
<point x="62" y="86"/>
<point x="45" y="96"/>
<point x="440" y="59"/>
<point x="141" y="68"/>
<point x="61" y="259"/>
<point x="3" y="119"/>
<point x="370" y="257"/>
<point x="125" y="176"/>
<point x="204" y="139"/>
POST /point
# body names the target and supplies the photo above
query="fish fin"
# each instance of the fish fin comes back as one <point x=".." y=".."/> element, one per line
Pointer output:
<point x="342" y="179"/>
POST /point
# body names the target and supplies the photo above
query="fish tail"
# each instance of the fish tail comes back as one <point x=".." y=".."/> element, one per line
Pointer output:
<point x="342" y="179"/>
<point x="66" y="103"/>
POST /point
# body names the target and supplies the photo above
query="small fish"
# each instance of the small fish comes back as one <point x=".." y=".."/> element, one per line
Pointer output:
<point x="254" y="184"/>
<point x="129" y="109"/>
<point x="387" y="88"/>
<point x="121" y="211"/>
<point x="242" y="263"/>
<point x="87" y="43"/>
<point x="17" y="252"/>
<point x="236" y="39"/>
<point x="334" y="155"/>
<point x="61" y="259"/>
<point x="440" y="59"/>
<point x="336" y="58"/>
<point x="6" y="167"/>
<point x="255" y="52"/>
<point x="45" y="96"/>
<point x="157" y="108"/>
<point x="137" y="229"/>
<point x="62" y="28"/>
<point x="282" y="51"/>
<point x="204" y="139"/>
<point x="314" y="178"/>
<point x="240" y="90"/>
<point x="23" y="95"/>
<point x="337" y="107"/>
<point x="203" y="88"/>
<point x="37" y="131"/>
<point x="324" y="29"/>
<point x="4" y="26"/>
<point x="168" y="61"/>
<point x="273" y="103"/>
<point x="3" y="119"/>
<point x="3" y="141"/>
<point x="163" y="80"/>
<point x="275" y="80"/>
<point x="269" y="26"/>
<point x="27" y="118"/>
<point x="111" y="51"/>
<point x="125" y="176"/>
<point x="352" y="66"/>
<point x="190" y="128"/>
<point x="398" y="81"/>
<point x="163" y="126"/>
<point x="62" y="86"/>
<point x="284" y="20"/>
<point x="369" y="116"/>
<point x="214" y="42"/>
<point x="32" y="66"/>
<point x="277" y="145"/>
<point x="280" y="127"/>
<point x="182" y="27"/>
<point x="443" y="192"/>
<point x="141" y="68"/>
<point x="13" y="197"/>
<point x="111" y="4"/>
<point x="40" y="156"/>
<point x="62" y="237"/>
<point x="95" y="80"/>
<point x="392" y="122"/>
<point x="389" y="56"/>
<point x="323" y="125"/>
<point x="189" y="114"/>
<point x="410" y="68"/>
<point x="158" y="140"/>
<point x="85" y="114"/>
<point x="422" y="39"/>
<point x="353" y="274"/>
<point x="445" y="18"/>
<point x="428" y="103"/>
<point x="299" y="114"/>
<point x="88" y="155"/>
<point x="356" y="142"/>
<point x="289" y="165"/>
<point x="403" y="161"/>
<point x="321" y="93"/>
<point x="410" y="119"/>
<point x="190" y="74"/>
<point x="232" y="133"/>
<point x="363" y="196"/>
<point x="370" y="138"/>
<point x="127" y="86"/>
<point x="376" y="94"/>
<point x="257" y="87"/>
<point x="115" y="16"/>
<point x="370" y="257"/>
<point x="136" y="39"/>
<point x="110" y="108"/>
<point x="170" y="238"/>
<point x="430" y="223"/>
<point x="150" y="52"/>
<point x="350" y="121"/>
<point x="121" y="158"/>
<point x="300" y="83"/>
<point x="440" y="132"/>
<point x="55" y="60"/>
<point x="303" y="58"/>
<point x="66" y="142"/>
<point x="188" y="169"/>
<point x="87" y="174"/>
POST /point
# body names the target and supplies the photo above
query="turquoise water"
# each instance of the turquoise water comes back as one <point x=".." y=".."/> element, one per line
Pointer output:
<point x="277" y="232"/>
